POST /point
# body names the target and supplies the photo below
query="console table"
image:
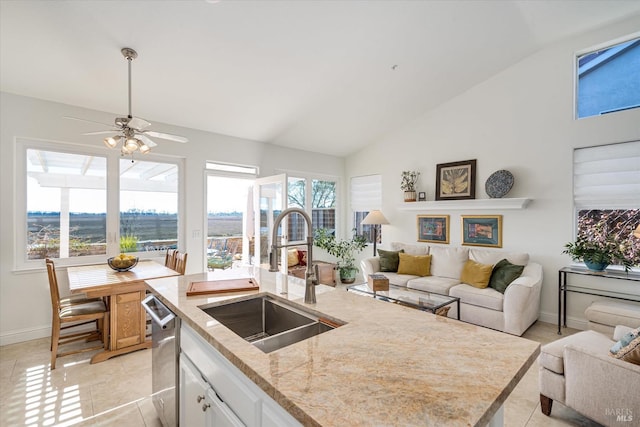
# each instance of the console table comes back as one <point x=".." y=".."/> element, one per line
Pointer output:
<point x="564" y="287"/>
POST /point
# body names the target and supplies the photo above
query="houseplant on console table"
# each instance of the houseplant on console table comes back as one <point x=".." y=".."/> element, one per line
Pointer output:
<point x="597" y="254"/>
<point x="344" y="250"/>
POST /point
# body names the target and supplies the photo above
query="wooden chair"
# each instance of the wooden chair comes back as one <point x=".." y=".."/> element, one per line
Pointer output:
<point x="72" y="312"/>
<point x="181" y="262"/>
<point x="170" y="259"/>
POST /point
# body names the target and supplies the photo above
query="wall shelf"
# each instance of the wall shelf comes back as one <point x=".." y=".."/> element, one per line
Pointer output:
<point x="447" y="205"/>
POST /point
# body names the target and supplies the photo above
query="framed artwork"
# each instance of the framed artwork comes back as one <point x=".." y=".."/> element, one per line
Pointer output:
<point x="482" y="230"/>
<point x="456" y="180"/>
<point x="433" y="228"/>
<point x="422" y="196"/>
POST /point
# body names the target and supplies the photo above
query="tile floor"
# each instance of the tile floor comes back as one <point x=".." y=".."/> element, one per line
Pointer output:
<point x="117" y="392"/>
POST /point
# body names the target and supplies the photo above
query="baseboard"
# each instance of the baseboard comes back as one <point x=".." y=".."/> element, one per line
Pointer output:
<point x="572" y="322"/>
<point x="22" y="335"/>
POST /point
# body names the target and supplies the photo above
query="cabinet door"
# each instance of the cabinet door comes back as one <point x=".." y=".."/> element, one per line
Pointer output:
<point x="129" y="320"/>
<point x="193" y="396"/>
<point x="219" y="413"/>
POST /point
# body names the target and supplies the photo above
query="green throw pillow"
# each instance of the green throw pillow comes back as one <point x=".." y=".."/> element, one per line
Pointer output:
<point x="503" y="274"/>
<point x="389" y="260"/>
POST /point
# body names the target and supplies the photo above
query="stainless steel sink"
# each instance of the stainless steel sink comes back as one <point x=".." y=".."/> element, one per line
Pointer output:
<point x="269" y="323"/>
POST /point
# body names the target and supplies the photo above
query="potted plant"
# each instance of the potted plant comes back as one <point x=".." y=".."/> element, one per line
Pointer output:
<point x="344" y="250"/>
<point x="408" y="185"/>
<point x="597" y="254"/>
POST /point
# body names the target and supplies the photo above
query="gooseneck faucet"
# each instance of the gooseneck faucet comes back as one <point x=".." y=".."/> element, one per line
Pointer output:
<point x="310" y="276"/>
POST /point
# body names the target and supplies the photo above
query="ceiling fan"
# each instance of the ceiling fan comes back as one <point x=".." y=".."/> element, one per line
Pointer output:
<point x="132" y="131"/>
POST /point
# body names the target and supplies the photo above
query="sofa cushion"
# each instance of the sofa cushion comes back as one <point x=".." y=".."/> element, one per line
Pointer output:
<point x="410" y="249"/>
<point x="503" y="274"/>
<point x="476" y="274"/>
<point x="552" y="354"/>
<point x="448" y="261"/>
<point x="438" y="285"/>
<point x="486" y="256"/>
<point x="614" y="313"/>
<point x="487" y="297"/>
<point x="292" y="257"/>
<point x="389" y="260"/>
<point x="302" y="257"/>
<point x="630" y="352"/>
<point x="399" y="279"/>
<point x="628" y="348"/>
<point x="417" y="265"/>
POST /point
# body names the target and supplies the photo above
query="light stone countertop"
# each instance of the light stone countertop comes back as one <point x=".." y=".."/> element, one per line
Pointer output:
<point x="389" y="365"/>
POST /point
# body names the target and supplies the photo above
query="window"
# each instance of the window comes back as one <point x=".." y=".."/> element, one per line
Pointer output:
<point x="323" y="205"/>
<point x="366" y="195"/>
<point x="70" y="198"/>
<point x="607" y="194"/>
<point x="607" y="79"/>
<point x="148" y="206"/>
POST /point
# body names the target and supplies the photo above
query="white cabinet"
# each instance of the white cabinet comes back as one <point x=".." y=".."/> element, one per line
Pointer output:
<point x="199" y="403"/>
<point x="204" y="370"/>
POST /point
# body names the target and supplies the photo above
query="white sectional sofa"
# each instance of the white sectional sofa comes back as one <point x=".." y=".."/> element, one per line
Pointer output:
<point x="512" y="311"/>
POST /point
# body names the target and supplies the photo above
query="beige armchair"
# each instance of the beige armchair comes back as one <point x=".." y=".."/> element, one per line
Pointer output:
<point x="578" y="372"/>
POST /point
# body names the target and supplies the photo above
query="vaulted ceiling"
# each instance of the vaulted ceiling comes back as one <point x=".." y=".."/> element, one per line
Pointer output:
<point x="323" y="76"/>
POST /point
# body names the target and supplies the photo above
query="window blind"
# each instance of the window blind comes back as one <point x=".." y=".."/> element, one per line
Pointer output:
<point x="366" y="193"/>
<point x="607" y="176"/>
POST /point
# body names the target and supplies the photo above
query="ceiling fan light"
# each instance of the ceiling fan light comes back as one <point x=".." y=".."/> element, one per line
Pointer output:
<point x="144" y="148"/>
<point x="131" y="145"/>
<point x="112" y="141"/>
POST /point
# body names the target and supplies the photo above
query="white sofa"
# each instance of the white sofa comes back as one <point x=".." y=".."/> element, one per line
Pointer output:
<point x="512" y="312"/>
<point x="578" y="372"/>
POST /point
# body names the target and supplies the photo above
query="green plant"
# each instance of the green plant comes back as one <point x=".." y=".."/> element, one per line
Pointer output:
<point x="344" y="250"/>
<point x="598" y="251"/>
<point x="409" y="179"/>
<point x="128" y="243"/>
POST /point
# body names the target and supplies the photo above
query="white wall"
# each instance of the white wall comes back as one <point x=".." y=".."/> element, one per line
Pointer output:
<point x="25" y="307"/>
<point x="520" y="120"/>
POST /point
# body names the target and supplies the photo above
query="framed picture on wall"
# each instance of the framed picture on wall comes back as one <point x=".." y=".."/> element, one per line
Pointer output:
<point x="433" y="228"/>
<point x="456" y="180"/>
<point x="482" y="230"/>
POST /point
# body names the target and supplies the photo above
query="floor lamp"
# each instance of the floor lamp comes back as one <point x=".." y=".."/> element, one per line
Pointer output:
<point x="374" y="218"/>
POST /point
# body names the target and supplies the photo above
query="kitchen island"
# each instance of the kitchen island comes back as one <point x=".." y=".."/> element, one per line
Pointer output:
<point x="388" y="365"/>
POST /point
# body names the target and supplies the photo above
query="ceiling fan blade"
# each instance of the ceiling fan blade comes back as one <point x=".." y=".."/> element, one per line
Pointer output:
<point x="149" y="143"/>
<point x="101" y="132"/>
<point x="168" y="136"/>
<point x="138" y="124"/>
<point x="85" y="120"/>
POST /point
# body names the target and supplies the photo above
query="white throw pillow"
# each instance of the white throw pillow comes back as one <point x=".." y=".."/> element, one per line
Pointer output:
<point x="410" y="249"/>
<point x="448" y="261"/>
<point x="484" y="256"/>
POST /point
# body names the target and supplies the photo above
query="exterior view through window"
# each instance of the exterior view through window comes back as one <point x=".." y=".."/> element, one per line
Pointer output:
<point x="67" y="209"/>
<point x="606" y="198"/>
<point x="323" y="206"/>
<point x="227" y="203"/>
<point x="148" y="206"/>
<point x="66" y="205"/>
<point x="608" y="79"/>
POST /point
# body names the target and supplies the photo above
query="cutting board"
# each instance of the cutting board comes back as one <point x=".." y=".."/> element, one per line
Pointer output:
<point x="222" y="286"/>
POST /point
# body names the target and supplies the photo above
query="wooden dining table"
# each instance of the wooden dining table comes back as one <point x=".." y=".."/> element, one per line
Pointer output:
<point x="123" y="292"/>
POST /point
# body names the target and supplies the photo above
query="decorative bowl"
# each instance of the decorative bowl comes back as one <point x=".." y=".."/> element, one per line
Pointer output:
<point x="120" y="263"/>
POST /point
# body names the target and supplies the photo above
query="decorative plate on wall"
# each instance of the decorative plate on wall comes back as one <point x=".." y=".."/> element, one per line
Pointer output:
<point x="499" y="184"/>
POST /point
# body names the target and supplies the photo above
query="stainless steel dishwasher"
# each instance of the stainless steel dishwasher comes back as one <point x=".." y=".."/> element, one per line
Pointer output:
<point x="165" y="327"/>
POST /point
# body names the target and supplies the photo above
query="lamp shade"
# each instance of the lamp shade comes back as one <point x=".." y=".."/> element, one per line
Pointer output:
<point x="374" y="217"/>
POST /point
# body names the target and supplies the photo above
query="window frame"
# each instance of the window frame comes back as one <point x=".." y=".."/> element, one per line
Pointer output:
<point x="22" y="144"/>
<point x="576" y="69"/>
<point x="309" y="178"/>
<point x="373" y="203"/>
